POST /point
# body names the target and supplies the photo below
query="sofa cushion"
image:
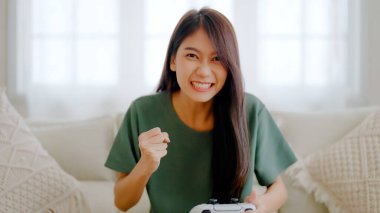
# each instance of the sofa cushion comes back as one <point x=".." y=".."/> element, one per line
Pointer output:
<point x="299" y="200"/>
<point x="30" y="179"/>
<point x="80" y="147"/>
<point x="119" y="119"/>
<point x="346" y="175"/>
<point x="308" y="132"/>
<point x="100" y="195"/>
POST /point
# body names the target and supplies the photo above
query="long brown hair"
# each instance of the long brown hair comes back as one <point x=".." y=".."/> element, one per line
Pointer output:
<point x="231" y="152"/>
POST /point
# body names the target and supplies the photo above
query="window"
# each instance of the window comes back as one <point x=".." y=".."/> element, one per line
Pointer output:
<point x="74" y="42"/>
<point x="304" y="44"/>
<point x="295" y="52"/>
<point x="81" y="58"/>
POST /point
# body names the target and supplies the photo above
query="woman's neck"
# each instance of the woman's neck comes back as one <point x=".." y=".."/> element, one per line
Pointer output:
<point x="197" y="115"/>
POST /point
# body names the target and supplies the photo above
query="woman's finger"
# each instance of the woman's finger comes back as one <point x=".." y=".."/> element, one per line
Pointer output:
<point x="150" y="133"/>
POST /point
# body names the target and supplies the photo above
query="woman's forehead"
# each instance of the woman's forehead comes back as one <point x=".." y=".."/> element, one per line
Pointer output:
<point x="198" y="41"/>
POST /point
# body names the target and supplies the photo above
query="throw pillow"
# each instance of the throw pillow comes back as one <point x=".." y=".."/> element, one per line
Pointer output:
<point x="30" y="179"/>
<point x="346" y="176"/>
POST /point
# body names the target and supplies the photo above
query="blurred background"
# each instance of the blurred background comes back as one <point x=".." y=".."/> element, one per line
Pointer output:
<point x="85" y="58"/>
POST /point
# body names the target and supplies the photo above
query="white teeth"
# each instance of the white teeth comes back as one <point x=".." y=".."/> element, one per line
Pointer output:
<point x="202" y="85"/>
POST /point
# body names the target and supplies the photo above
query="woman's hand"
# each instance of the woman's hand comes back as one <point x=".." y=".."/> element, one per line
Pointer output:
<point x="252" y="198"/>
<point x="271" y="200"/>
<point x="153" y="146"/>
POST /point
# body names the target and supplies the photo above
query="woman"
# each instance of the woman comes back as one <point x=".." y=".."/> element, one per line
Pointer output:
<point x="200" y="136"/>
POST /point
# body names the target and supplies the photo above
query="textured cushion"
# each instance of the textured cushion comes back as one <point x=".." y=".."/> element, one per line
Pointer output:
<point x="346" y="175"/>
<point x="308" y="132"/>
<point x="30" y="179"/>
<point x="80" y="147"/>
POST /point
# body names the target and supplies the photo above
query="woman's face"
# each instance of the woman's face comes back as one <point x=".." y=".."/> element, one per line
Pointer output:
<point x="200" y="74"/>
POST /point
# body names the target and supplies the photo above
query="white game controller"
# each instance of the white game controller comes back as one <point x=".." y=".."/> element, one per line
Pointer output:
<point x="213" y="206"/>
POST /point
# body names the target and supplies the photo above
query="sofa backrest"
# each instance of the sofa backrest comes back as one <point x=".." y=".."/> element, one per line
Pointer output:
<point x="307" y="132"/>
<point x="80" y="147"/>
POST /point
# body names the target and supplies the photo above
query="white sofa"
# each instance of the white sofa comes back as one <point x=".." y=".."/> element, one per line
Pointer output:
<point x="81" y="148"/>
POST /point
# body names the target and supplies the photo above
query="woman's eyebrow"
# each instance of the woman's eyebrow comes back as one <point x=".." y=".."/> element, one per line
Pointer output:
<point x="193" y="49"/>
<point x="196" y="50"/>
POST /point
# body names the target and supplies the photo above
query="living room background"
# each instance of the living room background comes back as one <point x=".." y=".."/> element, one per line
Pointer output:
<point x="295" y="54"/>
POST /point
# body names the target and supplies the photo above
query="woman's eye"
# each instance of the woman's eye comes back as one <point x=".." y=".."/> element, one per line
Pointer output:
<point x="216" y="58"/>
<point x="192" y="56"/>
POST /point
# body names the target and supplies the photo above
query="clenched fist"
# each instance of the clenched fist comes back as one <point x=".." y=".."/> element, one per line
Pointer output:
<point x="153" y="145"/>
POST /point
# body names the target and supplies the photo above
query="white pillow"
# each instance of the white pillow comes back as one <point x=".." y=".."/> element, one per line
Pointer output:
<point x="346" y="176"/>
<point x="30" y="179"/>
<point x="80" y="147"/>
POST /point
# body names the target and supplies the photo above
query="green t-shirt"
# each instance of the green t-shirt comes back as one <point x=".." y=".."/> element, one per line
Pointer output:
<point x="184" y="177"/>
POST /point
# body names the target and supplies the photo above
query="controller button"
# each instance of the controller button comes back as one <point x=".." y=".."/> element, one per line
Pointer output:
<point x="206" y="211"/>
<point x="212" y="201"/>
<point x="234" y="200"/>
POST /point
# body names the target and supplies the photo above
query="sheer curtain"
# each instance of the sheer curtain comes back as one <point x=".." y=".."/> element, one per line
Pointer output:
<point x="84" y="58"/>
<point x="299" y="54"/>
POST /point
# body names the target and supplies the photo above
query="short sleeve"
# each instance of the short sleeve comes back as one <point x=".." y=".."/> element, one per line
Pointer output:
<point x="273" y="154"/>
<point x="125" y="152"/>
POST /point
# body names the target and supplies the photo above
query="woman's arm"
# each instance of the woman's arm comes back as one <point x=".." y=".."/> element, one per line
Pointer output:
<point x="129" y="187"/>
<point x="272" y="200"/>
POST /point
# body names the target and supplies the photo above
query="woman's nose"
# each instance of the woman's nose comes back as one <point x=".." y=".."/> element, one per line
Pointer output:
<point x="204" y="69"/>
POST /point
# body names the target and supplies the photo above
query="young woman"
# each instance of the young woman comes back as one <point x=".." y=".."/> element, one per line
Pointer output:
<point x="200" y="136"/>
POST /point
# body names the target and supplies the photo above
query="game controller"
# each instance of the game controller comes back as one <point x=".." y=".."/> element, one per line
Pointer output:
<point x="214" y="206"/>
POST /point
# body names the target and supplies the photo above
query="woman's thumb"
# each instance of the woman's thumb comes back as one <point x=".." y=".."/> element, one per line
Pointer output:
<point x="251" y="197"/>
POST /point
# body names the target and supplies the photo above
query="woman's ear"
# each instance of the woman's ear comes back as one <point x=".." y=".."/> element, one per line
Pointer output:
<point x="172" y="64"/>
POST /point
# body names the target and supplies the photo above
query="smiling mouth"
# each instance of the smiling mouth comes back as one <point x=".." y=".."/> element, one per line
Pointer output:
<point x="201" y="85"/>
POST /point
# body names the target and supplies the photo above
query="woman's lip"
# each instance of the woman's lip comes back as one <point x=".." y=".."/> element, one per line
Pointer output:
<point x="202" y="86"/>
<point x="201" y="82"/>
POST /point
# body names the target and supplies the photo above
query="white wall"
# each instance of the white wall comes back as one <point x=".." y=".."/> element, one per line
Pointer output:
<point x="3" y="42"/>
